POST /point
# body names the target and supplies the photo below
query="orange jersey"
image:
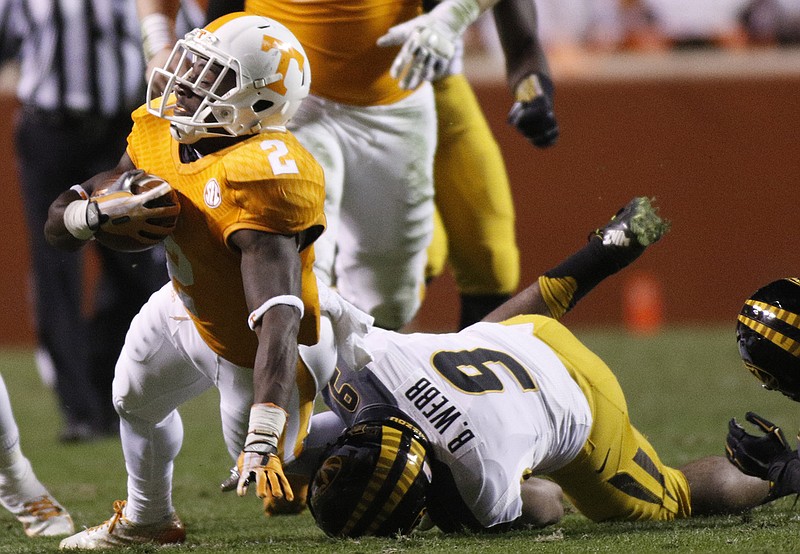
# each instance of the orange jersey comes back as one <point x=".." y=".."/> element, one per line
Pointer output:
<point x="339" y="39"/>
<point x="268" y="183"/>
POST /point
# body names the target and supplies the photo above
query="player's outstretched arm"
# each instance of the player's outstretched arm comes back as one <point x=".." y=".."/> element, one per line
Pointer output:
<point x="271" y="276"/>
<point x="720" y="488"/>
<point x="527" y="71"/>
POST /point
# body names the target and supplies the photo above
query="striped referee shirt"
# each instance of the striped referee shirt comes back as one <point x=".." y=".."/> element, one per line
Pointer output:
<point x="75" y="55"/>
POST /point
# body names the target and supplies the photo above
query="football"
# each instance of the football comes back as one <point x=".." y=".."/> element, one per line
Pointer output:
<point x="134" y="211"/>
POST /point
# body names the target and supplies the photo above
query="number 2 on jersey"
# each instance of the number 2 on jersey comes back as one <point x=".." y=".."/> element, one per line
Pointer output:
<point x="277" y="155"/>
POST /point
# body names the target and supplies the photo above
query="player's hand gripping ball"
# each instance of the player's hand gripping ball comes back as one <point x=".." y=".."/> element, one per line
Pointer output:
<point x="135" y="212"/>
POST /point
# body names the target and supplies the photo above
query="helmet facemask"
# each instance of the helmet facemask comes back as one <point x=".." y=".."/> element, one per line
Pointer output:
<point x="214" y="115"/>
<point x="271" y="79"/>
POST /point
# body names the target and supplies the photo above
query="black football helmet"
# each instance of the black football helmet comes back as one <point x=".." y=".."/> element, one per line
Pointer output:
<point x="768" y="334"/>
<point x="372" y="481"/>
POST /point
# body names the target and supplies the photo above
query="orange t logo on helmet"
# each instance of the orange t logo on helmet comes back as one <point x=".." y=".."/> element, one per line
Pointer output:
<point x="288" y="53"/>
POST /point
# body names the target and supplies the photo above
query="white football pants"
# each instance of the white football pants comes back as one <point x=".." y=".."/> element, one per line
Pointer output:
<point x="378" y="163"/>
<point x="18" y="483"/>
<point x="163" y="364"/>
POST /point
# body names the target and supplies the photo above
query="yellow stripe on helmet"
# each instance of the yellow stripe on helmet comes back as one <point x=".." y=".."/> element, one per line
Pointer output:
<point x="790" y="318"/>
<point x="390" y="441"/>
<point x="779" y="339"/>
<point x="414" y="461"/>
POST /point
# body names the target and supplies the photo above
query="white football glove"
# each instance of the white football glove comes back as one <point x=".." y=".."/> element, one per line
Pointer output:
<point x="429" y="41"/>
<point x="152" y="213"/>
<point x="119" y="205"/>
<point x="266" y="471"/>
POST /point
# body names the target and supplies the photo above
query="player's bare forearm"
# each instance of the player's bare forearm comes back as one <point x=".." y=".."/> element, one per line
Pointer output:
<point x="271" y="276"/>
<point x="276" y="361"/>
<point x="55" y="232"/>
<point x="167" y="7"/>
<point x="516" y="22"/>
<point x="542" y="503"/>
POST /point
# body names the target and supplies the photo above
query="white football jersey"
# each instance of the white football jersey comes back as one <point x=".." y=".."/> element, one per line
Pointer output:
<point x="492" y="399"/>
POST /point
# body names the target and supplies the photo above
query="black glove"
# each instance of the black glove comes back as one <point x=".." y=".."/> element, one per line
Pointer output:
<point x="533" y="114"/>
<point x="752" y="454"/>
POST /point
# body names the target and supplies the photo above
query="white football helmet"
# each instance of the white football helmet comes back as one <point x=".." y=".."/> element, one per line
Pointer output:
<point x="272" y="78"/>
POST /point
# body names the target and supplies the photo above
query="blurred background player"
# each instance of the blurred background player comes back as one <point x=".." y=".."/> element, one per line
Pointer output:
<point x="772" y="22"/>
<point x="379" y="190"/>
<point x="474" y="226"/>
<point x="81" y="74"/>
<point x="242" y="293"/>
<point x="21" y="493"/>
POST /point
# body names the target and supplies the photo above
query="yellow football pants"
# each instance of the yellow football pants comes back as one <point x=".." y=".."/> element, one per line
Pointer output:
<point x="474" y="227"/>
<point x="618" y="474"/>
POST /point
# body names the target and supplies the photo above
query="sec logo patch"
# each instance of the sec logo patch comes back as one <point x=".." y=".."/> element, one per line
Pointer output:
<point x="212" y="195"/>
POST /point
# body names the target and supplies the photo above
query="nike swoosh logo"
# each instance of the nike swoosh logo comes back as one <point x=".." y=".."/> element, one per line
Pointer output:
<point x="605" y="461"/>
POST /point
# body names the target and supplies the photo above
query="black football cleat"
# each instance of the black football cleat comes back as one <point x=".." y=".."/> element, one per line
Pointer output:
<point x="632" y="229"/>
<point x="637" y="225"/>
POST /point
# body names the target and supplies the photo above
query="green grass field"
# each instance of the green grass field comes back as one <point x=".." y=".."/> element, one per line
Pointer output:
<point x="682" y="386"/>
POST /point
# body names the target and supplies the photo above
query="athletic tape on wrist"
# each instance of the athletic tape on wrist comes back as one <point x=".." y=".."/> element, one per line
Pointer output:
<point x="265" y="426"/>
<point x="286" y="299"/>
<point x="75" y="220"/>
<point x="156" y="34"/>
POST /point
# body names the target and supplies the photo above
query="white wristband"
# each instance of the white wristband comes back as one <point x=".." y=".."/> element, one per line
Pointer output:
<point x="287" y="299"/>
<point x="265" y="427"/>
<point x="75" y="220"/>
<point x="156" y="34"/>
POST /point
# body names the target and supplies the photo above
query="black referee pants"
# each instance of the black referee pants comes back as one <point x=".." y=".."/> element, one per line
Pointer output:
<point x="54" y="152"/>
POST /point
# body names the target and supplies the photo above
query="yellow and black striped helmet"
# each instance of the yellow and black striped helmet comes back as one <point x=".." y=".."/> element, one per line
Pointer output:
<point x="372" y="481"/>
<point x="768" y="333"/>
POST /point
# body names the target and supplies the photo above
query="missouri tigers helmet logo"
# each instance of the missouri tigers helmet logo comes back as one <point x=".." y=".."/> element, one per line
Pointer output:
<point x="372" y="481"/>
<point x="768" y="336"/>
